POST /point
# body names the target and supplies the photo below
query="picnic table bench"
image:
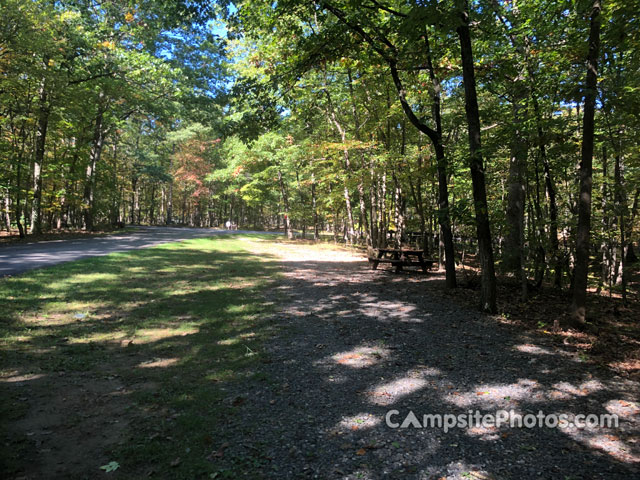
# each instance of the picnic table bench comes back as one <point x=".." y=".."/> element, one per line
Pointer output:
<point x="400" y="257"/>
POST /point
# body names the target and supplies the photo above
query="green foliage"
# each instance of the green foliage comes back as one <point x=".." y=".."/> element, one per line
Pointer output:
<point x="297" y="106"/>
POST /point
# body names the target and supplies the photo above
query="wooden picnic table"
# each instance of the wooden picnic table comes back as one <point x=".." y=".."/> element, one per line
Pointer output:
<point x="401" y="257"/>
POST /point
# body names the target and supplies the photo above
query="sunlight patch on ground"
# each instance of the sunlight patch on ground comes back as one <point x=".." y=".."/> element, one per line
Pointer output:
<point x="391" y="392"/>
<point x="18" y="338"/>
<point x="534" y="349"/>
<point x="497" y="395"/>
<point x="392" y="310"/>
<point x="312" y="253"/>
<point x="462" y="469"/>
<point x="566" y="390"/>
<point x="605" y="440"/>
<point x="337" y="379"/>
<point x="237" y="339"/>
<point x="325" y="257"/>
<point x="80" y="279"/>
<point x="236" y="308"/>
<point x="483" y="433"/>
<point x="361" y="421"/>
<point x="159" y="363"/>
<point x="59" y="313"/>
<point x="28" y="377"/>
<point x="623" y="408"/>
<point x="150" y="335"/>
<point x="361" y="357"/>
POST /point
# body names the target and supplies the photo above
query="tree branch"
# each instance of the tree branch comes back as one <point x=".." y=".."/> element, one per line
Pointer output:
<point x="393" y="64"/>
<point x="93" y="77"/>
<point x="387" y="9"/>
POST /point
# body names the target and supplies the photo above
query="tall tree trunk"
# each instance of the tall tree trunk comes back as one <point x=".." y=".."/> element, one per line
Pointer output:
<point x="621" y="211"/>
<point x="285" y="202"/>
<point x="163" y="200"/>
<point x="583" y="234"/>
<point x="364" y="224"/>
<point x="38" y="161"/>
<point x="17" y="206"/>
<point x="90" y="177"/>
<point x="347" y="168"/>
<point x="515" y="194"/>
<point x="170" y="204"/>
<point x="7" y="209"/>
<point x="399" y="201"/>
<point x="399" y="217"/>
<point x="373" y="200"/>
<point x="18" y="213"/>
<point x="557" y="260"/>
<point x="632" y="219"/>
<point x="134" y="201"/>
<point x="514" y="245"/>
<point x="170" y="194"/>
<point x="314" y="207"/>
<point x="513" y="252"/>
<point x="605" y="244"/>
<point x="488" y="282"/>
<point x="382" y="208"/>
<point x="152" y="210"/>
<point x="115" y="205"/>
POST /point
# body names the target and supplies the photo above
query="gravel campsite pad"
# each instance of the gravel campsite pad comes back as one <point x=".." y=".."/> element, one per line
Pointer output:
<point x="352" y="344"/>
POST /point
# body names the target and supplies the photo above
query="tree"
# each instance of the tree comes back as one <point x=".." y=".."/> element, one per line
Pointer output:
<point x="578" y="306"/>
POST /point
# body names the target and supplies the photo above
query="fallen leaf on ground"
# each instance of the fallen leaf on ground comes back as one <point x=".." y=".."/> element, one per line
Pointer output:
<point x="110" y="467"/>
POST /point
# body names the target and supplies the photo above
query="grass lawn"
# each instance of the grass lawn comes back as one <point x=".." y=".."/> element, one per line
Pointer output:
<point x="136" y="358"/>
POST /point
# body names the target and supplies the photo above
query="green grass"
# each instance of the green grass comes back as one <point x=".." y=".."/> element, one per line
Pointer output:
<point x="179" y="325"/>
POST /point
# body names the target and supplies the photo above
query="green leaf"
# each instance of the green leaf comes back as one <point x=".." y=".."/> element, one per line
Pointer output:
<point x="112" y="466"/>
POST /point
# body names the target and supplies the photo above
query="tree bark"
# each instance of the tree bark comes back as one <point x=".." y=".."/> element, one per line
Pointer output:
<point x="621" y="211"/>
<point x="515" y="192"/>
<point x="583" y="234"/>
<point x="347" y="167"/>
<point x="38" y="161"/>
<point x="94" y="158"/>
<point x="483" y="228"/>
<point x="364" y="224"/>
<point x="514" y="254"/>
<point x="7" y="210"/>
<point x="605" y="245"/>
<point x="18" y="213"/>
<point x="314" y="207"/>
<point x="285" y="201"/>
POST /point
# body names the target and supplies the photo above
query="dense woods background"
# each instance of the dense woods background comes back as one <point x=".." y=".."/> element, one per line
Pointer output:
<point x="498" y="132"/>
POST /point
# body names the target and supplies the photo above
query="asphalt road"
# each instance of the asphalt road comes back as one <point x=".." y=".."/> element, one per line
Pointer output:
<point x="15" y="259"/>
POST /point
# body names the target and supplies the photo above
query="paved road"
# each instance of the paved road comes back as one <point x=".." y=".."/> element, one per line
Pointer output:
<point x="15" y="259"/>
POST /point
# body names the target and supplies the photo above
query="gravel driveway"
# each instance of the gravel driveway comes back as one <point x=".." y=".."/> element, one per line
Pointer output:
<point x="351" y="344"/>
<point x="15" y="259"/>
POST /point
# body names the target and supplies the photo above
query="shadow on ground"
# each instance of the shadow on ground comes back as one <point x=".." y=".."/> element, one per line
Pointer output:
<point x="359" y="344"/>
<point x="183" y="371"/>
<point x="127" y="358"/>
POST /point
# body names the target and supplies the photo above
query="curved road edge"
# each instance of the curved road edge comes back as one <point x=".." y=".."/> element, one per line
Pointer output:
<point x="16" y="259"/>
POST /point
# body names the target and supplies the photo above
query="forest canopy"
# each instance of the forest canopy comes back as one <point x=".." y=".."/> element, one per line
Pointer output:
<point x="504" y="132"/>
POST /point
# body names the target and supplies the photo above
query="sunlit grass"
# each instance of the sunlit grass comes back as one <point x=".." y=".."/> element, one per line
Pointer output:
<point x="184" y="318"/>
